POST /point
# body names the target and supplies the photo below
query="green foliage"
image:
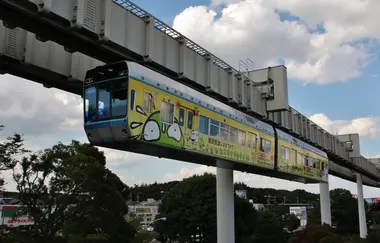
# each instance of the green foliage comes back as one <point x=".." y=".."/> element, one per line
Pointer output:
<point x="145" y="236"/>
<point x="190" y="209"/>
<point x="245" y="218"/>
<point x="10" y="149"/>
<point x="269" y="228"/>
<point x="67" y="188"/>
<point x="291" y="222"/>
<point x="156" y="191"/>
<point x="344" y="211"/>
<point x="316" y="234"/>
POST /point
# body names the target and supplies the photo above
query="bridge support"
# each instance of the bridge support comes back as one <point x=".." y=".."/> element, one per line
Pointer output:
<point x="325" y="203"/>
<point x="225" y="203"/>
<point x="361" y="207"/>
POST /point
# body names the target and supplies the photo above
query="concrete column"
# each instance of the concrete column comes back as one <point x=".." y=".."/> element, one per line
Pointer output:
<point x="324" y="199"/>
<point x="225" y="203"/>
<point x="361" y="207"/>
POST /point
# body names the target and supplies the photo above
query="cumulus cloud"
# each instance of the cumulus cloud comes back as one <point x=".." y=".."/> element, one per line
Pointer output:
<point x="366" y="127"/>
<point x="26" y="107"/>
<point x="254" y="29"/>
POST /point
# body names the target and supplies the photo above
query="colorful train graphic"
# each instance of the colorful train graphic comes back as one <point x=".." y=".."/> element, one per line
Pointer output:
<point x="130" y="107"/>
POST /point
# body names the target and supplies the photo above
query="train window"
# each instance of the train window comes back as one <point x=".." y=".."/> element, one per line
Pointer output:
<point x="132" y="99"/>
<point x="241" y="137"/>
<point x="167" y="112"/>
<point x="203" y="125"/>
<point x="293" y="154"/>
<point x="285" y="153"/>
<point x="119" y="98"/>
<point x="104" y="101"/>
<point x="234" y="135"/>
<point x="190" y="119"/>
<point x="90" y="104"/>
<point x="301" y="159"/>
<point x="148" y="102"/>
<point x="224" y="132"/>
<point x="251" y="140"/>
<point x="214" y="128"/>
<point x="317" y="164"/>
<point x="265" y="146"/>
<point x="181" y="117"/>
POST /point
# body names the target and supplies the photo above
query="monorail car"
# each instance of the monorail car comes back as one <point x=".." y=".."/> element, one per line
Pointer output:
<point x="132" y="108"/>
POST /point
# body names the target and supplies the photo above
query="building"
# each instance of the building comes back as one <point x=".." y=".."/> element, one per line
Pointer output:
<point x="146" y="210"/>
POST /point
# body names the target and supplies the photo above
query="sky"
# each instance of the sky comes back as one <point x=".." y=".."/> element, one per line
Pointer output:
<point x="330" y="48"/>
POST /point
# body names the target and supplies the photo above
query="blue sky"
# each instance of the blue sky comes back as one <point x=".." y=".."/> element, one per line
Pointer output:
<point x="325" y="78"/>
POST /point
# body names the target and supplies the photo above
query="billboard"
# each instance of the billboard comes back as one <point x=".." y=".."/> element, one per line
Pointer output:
<point x="8" y="216"/>
<point x="301" y="213"/>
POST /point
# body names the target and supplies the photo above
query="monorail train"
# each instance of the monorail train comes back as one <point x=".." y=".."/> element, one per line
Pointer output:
<point x="132" y="108"/>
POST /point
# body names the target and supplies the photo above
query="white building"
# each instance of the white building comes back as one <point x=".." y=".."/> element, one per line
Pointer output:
<point x="147" y="210"/>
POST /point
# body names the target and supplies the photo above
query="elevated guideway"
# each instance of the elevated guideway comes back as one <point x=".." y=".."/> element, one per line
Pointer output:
<point x="60" y="40"/>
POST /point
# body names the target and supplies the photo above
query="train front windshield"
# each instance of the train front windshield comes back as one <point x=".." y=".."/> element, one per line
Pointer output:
<point x="105" y="94"/>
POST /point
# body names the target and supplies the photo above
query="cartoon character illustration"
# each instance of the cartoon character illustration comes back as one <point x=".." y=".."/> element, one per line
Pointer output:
<point x="154" y="130"/>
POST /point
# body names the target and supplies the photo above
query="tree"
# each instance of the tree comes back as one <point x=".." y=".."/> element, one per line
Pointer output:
<point x="269" y="228"/>
<point x="190" y="210"/>
<point x="344" y="211"/>
<point x="12" y="147"/>
<point x="67" y="188"/>
<point x="291" y="221"/>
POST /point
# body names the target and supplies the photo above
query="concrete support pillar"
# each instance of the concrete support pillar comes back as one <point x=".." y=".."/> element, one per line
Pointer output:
<point x="361" y="207"/>
<point x="325" y="203"/>
<point x="225" y="203"/>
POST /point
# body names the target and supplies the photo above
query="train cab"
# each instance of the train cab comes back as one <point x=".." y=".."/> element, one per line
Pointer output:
<point x="105" y="92"/>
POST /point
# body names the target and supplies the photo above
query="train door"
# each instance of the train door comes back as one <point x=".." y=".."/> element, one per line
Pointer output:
<point x="186" y="123"/>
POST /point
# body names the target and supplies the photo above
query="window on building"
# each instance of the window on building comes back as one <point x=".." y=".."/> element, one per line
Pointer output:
<point x="119" y="98"/>
<point x="104" y="101"/>
<point x="167" y="112"/>
<point x="148" y="102"/>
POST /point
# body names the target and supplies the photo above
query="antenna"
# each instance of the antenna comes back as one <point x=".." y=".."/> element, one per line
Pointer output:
<point x="242" y="66"/>
<point x="249" y="64"/>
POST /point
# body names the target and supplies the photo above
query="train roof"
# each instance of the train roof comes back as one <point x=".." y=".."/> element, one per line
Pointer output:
<point x="137" y="71"/>
<point x="297" y="142"/>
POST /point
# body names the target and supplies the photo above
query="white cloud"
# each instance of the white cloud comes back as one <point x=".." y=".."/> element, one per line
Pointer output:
<point x="26" y="107"/>
<point x="367" y="127"/>
<point x="253" y="29"/>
